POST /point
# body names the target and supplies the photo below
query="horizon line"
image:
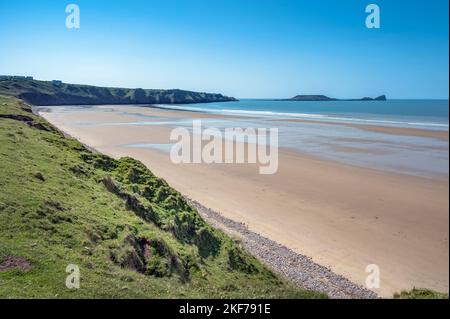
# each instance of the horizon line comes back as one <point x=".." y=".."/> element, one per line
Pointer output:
<point x="218" y="92"/>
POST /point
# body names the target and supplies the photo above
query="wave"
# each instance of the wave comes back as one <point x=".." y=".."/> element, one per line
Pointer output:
<point x="321" y="117"/>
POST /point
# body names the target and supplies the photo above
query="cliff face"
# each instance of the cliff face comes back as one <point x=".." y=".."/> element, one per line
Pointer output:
<point x="49" y="93"/>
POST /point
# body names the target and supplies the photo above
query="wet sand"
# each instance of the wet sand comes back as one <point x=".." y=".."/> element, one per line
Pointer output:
<point x="443" y="135"/>
<point x="343" y="217"/>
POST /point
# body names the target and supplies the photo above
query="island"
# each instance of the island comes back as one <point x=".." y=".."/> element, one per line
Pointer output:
<point x="326" y="98"/>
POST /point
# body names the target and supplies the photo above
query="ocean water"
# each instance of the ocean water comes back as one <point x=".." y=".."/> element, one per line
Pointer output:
<point x="301" y="128"/>
<point x="413" y="155"/>
<point x="430" y="114"/>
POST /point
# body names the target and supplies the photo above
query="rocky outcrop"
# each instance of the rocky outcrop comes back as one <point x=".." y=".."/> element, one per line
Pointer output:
<point x="381" y="98"/>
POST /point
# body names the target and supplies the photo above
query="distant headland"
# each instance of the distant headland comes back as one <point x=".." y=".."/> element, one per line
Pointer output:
<point x="57" y="92"/>
<point x="326" y="98"/>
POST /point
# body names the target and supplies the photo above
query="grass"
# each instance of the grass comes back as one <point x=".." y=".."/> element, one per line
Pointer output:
<point x="418" y="293"/>
<point x="131" y="234"/>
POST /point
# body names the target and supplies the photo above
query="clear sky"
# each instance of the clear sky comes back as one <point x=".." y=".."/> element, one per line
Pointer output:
<point x="242" y="48"/>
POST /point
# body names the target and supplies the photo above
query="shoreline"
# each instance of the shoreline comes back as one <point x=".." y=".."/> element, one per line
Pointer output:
<point x="171" y="111"/>
<point x="404" y="131"/>
<point x="296" y="268"/>
<point x="343" y="217"/>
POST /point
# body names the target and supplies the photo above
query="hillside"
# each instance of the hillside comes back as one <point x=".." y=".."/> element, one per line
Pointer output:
<point x="56" y="93"/>
<point x="130" y="233"/>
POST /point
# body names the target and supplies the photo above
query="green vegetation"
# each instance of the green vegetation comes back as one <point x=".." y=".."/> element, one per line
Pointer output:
<point x="50" y="93"/>
<point x="131" y="234"/>
<point x="417" y="293"/>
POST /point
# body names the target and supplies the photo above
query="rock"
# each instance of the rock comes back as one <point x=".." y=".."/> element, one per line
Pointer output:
<point x="39" y="176"/>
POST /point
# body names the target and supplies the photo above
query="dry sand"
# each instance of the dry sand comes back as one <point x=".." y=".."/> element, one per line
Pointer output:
<point x="341" y="216"/>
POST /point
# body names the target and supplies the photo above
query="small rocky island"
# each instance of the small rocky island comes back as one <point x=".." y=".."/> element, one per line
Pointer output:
<point x="326" y="98"/>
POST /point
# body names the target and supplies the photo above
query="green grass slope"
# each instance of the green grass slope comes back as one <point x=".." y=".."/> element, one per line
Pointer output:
<point x="47" y="93"/>
<point x="130" y="233"/>
<point x="419" y="293"/>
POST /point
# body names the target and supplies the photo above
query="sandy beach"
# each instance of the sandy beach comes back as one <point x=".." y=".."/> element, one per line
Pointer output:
<point x="443" y="135"/>
<point x="342" y="216"/>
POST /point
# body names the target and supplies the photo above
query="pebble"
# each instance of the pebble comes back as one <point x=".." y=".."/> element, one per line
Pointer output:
<point x="297" y="268"/>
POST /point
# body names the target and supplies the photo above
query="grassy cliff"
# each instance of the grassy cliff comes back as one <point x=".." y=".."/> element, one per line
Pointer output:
<point x="130" y="233"/>
<point x="49" y="93"/>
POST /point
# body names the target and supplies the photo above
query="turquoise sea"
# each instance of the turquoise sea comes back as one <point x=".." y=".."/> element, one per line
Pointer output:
<point x="432" y="114"/>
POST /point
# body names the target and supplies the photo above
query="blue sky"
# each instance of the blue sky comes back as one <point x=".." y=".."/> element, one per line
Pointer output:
<point x="242" y="48"/>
